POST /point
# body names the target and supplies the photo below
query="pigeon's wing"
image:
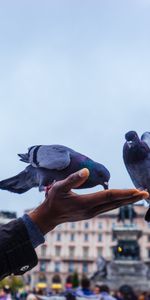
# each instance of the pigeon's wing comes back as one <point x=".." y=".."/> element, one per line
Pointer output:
<point x="146" y="138"/>
<point x="135" y="170"/>
<point x="53" y="157"/>
<point x="22" y="182"/>
<point x="134" y="176"/>
<point x="140" y="174"/>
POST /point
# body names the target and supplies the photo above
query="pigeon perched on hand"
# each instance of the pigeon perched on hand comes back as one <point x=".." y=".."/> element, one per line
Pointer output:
<point x="136" y="155"/>
<point x="52" y="163"/>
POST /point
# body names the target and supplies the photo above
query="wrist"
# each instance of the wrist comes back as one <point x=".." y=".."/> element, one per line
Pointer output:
<point x="42" y="217"/>
<point x="35" y="234"/>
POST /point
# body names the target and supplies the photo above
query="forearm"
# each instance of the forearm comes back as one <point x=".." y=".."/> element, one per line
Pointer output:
<point x="38" y="222"/>
<point x="17" y="254"/>
<point x="18" y="239"/>
<point x="44" y="219"/>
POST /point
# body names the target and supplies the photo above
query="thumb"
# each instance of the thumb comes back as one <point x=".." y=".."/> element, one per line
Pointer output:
<point x="74" y="180"/>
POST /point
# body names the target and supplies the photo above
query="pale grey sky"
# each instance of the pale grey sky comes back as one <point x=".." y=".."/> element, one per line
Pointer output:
<point x="75" y="73"/>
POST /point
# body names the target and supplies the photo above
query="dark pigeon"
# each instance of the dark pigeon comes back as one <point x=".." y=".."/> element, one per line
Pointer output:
<point x="136" y="156"/>
<point x="52" y="163"/>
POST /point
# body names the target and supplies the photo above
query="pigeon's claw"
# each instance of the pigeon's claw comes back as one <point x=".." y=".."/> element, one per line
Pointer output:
<point x="48" y="187"/>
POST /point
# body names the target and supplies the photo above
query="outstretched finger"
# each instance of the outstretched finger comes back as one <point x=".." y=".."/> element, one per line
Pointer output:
<point x="73" y="181"/>
<point x="130" y="194"/>
<point x="104" y="207"/>
<point x="111" y="196"/>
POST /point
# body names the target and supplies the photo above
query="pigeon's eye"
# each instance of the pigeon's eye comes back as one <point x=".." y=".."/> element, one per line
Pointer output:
<point x="101" y="175"/>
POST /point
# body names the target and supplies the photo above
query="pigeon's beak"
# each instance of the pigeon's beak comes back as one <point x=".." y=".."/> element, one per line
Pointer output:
<point x="105" y="185"/>
<point x="129" y="143"/>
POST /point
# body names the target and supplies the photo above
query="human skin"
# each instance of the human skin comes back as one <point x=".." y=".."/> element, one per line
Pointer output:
<point x="62" y="205"/>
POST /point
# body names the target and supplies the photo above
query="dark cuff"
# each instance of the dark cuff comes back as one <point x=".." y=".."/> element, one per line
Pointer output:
<point x="17" y="254"/>
<point x="34" y="232"/>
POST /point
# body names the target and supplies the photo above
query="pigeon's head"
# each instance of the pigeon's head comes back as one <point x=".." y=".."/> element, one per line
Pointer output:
<point x="131" y="137"/>
<point x="103" y="176"/>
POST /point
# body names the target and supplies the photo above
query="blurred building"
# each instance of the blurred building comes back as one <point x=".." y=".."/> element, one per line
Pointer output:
<point x="76" y="246"/>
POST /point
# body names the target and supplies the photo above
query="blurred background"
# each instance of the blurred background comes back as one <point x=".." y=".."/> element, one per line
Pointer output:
<point x="74" y="73"/>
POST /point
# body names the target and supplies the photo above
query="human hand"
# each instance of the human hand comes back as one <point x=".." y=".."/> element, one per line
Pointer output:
<point x="62" y="205"/>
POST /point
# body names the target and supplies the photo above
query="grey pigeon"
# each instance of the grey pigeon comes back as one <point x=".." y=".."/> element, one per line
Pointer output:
<point x="136" y="156"/>
<point x="52" y="163"/>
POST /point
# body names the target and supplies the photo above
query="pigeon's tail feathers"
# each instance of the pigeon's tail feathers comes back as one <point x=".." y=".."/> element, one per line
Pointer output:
<point x="19" y="184"/>
<point x="24" y="157"/>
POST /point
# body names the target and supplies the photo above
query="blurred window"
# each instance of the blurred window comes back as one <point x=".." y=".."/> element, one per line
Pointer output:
<point x="71" y="251"/>
<point x="72" y="237"/>
<point x="85" y="252"/>
<point x="85" y="267"/>
<point x="86" y="237"/>
<point x="43" y="250"/>
<point x="42" y="266"/>
<point x="100" y="225"/>
<point x="72" y="225"/>
<point x="86" y="225"/>
<point x="99" y="251"/>
<point x="58" y="237"/>
<point x="99" y="237"/>
<point x="57" y="266"/>
<point x="57" y="250"/>
<point x="71" y="267"/>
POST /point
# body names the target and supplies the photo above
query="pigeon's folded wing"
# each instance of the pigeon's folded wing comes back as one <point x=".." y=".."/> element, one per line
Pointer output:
<point x="52" y="157"/>
<point x="136" y="179"/>
<point x="146" y="138"/>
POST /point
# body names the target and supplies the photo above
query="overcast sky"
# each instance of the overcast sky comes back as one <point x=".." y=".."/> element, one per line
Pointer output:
<point x="75" y="73"/>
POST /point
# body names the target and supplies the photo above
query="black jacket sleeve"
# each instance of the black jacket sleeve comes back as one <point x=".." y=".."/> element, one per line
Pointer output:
<point x="17" y="254"/>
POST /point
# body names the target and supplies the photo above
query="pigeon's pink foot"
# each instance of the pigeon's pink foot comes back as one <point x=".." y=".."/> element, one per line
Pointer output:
<point x="48" y="187"/>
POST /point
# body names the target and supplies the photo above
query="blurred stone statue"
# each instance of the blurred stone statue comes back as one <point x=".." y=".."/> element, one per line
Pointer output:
<point x="126" y="213"/>
<point x="101" y="268"/>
